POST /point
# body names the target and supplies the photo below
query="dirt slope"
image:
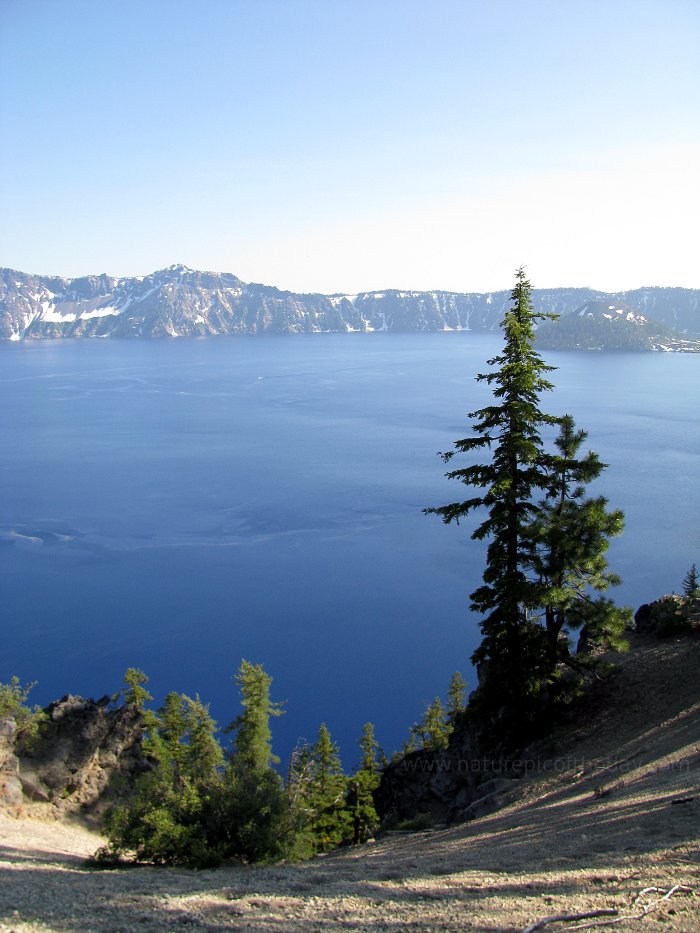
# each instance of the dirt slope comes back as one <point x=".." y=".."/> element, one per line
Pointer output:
<point x="616" y="812"/>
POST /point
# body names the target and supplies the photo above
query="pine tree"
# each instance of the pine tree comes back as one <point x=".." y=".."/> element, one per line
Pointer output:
<point x="136" y="694"/>
<point x="691" y="582"/>
<point x="330" y="819"/>
<point x="298" y="789"/>
<point x="455" y="697"/>
<point x="253" y="741"/>
<point x="372" y="756"/>
<point x="252" y="818"/>
<point x="13" y="705"/>
<point x="188" y="808"/>
<point x="166" y="740"/>
<point x="203" y="753"/>
<point x="511" y="646"/>
<point x="569" y="540"/>
<point x="363" y="784"/>
<point x="433" y="731"/>
<point x="184" y="743"/>
<point x="547" y="542"/>
<point x="328" y="768"/>
<point x="167" y="818"/>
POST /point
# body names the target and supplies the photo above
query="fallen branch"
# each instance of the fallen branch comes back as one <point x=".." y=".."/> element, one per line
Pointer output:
<point x="611" y="911"/>
<point x="561" y="918"/>
<point x="666" y="895"/>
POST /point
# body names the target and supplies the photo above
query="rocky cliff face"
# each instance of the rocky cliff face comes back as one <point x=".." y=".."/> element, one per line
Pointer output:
<point x="86" y="756"/>
<point x="183" y="302"/>
<point x="453" y="785"/>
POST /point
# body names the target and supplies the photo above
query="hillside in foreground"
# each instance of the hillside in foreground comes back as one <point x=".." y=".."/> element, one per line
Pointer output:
<point x="611" y="822"/>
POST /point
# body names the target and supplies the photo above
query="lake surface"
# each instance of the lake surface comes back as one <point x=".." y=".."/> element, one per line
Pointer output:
<point x="180" y="505"/>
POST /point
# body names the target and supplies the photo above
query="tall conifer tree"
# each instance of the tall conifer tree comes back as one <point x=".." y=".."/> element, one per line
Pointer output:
<point x="362" y="786"/>
<point x="330" y="819"/>
<point x="510" y="650"/>
<point x="547" y="541"/>
<point x="253" y="742"/>
<point x="254" y="810"/>
<point x="434" y="729"/>
<point x="455" y="697"/>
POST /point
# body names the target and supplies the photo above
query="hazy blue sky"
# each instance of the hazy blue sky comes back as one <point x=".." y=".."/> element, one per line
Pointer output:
<point x="343" y="145"/>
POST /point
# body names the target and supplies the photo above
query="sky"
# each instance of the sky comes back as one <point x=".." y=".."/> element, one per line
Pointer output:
<point x="353" y="145"/>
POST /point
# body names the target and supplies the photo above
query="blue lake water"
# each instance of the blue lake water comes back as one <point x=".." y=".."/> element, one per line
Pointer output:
<point x="179" y="505"/>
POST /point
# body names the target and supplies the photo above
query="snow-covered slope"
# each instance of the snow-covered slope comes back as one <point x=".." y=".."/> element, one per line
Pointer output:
<point x="183" y="302"/>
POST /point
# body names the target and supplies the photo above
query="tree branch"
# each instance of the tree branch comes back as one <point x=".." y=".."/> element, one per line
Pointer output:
<point x="561" y="918"/>
<point x="611" y="911"/>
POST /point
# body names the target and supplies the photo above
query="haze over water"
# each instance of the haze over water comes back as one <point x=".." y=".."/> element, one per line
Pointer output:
<point x="179" y="505"/>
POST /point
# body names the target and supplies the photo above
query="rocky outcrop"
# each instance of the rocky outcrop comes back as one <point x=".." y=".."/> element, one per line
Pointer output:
<point x="10" y="784"/>
<point x="669" y="615"/>
<point x="86" y="755"/>
<point x="451" y="785"/>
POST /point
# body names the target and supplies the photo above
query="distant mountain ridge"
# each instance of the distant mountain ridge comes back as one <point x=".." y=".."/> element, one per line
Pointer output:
<point x="182" y="302"/>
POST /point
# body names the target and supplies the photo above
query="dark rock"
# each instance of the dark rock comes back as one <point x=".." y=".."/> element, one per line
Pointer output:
<point x="495" y="797"/>
<point x="668" y="615"/>
<point x="33" y="787"/>
<point x="496" y="785"/>
<point x="443" y="784"/>
<point x="85" y="755"/>
<point x="10" y="786"/>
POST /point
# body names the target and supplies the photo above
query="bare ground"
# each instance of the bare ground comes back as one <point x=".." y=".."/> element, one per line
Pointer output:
<point x="613" y="823"/>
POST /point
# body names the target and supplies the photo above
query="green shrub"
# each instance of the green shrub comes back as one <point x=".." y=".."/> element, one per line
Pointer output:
<point x="416" y="824"/>
<point x="187" y="826"/>
<point x="249" y="818"/>
<point x="671" y="616"/>
<point x="13" y="705"/>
